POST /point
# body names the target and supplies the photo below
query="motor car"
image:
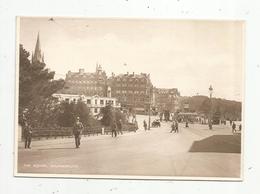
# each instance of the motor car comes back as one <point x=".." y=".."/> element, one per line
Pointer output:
<point x="156" y="123"/>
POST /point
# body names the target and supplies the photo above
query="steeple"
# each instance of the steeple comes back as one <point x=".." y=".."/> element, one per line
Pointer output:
<point x="37" y="51"/>
<point x="32" y="58"/>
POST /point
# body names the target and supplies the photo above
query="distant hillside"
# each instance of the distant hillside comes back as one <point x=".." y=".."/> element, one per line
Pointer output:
<point x="228" y="109"/>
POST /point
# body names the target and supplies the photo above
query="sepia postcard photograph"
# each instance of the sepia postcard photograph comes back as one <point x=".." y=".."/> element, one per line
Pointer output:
<point x="129" y="98"/>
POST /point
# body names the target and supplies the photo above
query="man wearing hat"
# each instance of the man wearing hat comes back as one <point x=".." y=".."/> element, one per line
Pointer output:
<point x="77" y="131"/>
<point x="27" y="135"/>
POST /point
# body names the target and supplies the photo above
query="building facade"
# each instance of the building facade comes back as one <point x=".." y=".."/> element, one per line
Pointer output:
<point x="166" y="99"/>
<point x="95" y="103"/>
<point x="133" y="91"/>
<point x="85" y="83"/>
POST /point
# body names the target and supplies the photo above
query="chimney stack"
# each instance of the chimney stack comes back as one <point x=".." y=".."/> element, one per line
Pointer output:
<point x="81" y="71"/>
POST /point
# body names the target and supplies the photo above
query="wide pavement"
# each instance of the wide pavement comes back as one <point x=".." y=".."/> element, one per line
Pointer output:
<point x="193" y="152"/>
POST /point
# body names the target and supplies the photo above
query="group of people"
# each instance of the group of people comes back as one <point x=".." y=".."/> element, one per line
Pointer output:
<point x="234" y="127"/>
<point x="175" y="126"/>
<point x="116" y="128"/>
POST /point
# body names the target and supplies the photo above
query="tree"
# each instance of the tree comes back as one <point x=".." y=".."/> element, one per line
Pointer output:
<point x="36" y="84"/>
<point x="81" y="110"/>
<point x="45" y="114"/>
<point x="70" y="111"/>
<point x="227" y="109"/>
<point x="108" y="115"/>
<point x="205" y="106"/>
<point x="66" y="116"/>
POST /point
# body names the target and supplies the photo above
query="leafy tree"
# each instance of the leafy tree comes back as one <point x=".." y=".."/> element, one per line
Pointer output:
<point x="45" y="114"/>
<point x="70" y="111"/>
<point x="108" y="115"/>
<point x="81" y="110"/>
<point x="36" y="84"/>
<point x="66" y="117"/>
<point x="227" y="109"/>
<point x="120" y="116"/>
<point x="205" y="106"/>
<point x="111" y="114"/>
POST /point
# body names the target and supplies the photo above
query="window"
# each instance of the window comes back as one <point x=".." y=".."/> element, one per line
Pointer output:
<point x="102" y="102"/>
<point x="88" y="101"/>
<point x="95" y="101"/>
<point x="95" y="110"/>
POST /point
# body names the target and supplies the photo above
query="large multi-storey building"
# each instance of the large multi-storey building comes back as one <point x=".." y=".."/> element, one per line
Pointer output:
<point x="133" y="91"/>
<point x="84" y="83"/>
<point x="166" y="99"/>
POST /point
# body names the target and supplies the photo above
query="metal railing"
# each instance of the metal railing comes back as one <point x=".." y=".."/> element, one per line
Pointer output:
<point x="63" y="132"/>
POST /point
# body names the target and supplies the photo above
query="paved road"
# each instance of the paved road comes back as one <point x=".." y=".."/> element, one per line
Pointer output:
<point x="152" y="153"/>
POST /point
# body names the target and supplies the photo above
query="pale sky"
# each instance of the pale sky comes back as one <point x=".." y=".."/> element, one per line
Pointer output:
<point x="185" y="54"/>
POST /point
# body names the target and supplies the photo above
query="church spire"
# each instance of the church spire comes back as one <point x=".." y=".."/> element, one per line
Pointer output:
<point x="37" y="51"/>
<point x="32" y="58"/>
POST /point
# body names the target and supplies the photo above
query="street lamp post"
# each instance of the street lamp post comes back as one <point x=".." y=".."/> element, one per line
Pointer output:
<point x="149" y="111"/>
<point x="210" y="110"/>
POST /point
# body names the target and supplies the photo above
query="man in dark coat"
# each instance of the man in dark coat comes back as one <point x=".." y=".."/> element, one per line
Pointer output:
<point x="176" y="126"/>
<point x="113" y="129"/>
<point x="234" y="127"/>
<point x="145" y="125"/>
<point x="120" y="126"/>
<point x="27" y="135"/>
<point x="173" y="127"/>
<point x="77" y="131"/>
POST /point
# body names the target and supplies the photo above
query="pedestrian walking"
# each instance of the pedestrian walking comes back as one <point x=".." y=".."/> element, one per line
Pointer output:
<point x="27" y="135"/>
<point x="114" y="129"/>
<point x="120" y="126"/>
<point x="187" y="124"/>
<point x="134" y="118"/>
<point x="173" y="127"/>
<point x="136" y="125"/>
<point x="233" y="127"/>
<point x="161" y="117"/>
<point x="77" y="131"/>
<point x="176" y="126"/>
<point x="145" y="125"/>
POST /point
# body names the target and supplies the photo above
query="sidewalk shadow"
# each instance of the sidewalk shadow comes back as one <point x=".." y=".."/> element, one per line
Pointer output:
<point x="57" y="148"/>
<point x="218" y="143"/>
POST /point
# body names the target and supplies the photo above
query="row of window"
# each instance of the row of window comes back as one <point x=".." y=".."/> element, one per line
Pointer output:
<point x="131" y="80"/>
<point x="130" y="85"/>
<point x="101" y="102"/>
<point x="96" y="102"/>
<point x="83" y="81"/>
<point x="129" y="92"/>
<point x="135" y="100"/>
<point x="99" y="88"/>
